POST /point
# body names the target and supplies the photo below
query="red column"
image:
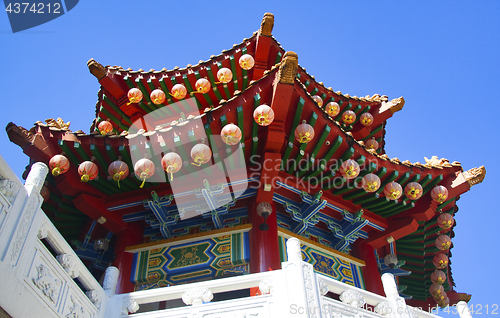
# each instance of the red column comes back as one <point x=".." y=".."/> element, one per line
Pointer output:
<point x="371" y="275"/>
<point x="264" y="248"/>
<point x="123" y="261"/>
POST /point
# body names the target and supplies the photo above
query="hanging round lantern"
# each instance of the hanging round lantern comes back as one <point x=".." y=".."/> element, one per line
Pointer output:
<point x="371" y="144"/>
<point x="58" y="164"/>
<point x="224" y="75"/>
<point x="443" y="242"/>
<point x="332" y="108"/>
<point x="393" y="190"/>
<point x="436" y="290"/>
<point x="444" y="302"/>
<point x="105" y="127"/>
<point x="134" y="95"/>
<point x="348" y="117"/>
<point x="143" y="169"/>
<point x="439" y="194"/>
<point x="304" y="133"/>
<point x="87" y="171"/>
<point x="202" y="85"/>
<point x="171" y="163"/>
<point x="438" y="277"/>
<point x="118" y="170"/>
<point x="246" y="62"/>
<point x="414" y="191"/>
<point x="263" y="115"/>
<point x="157" y="96"/>
<point x="445" y="221"/>
<point x="370" y="182"/>
<point x="440" y="261"/>
<point x="318" y="100"/>
<point x="201" y="154"/>
<point x="231" y="134"/>
<point x="178" y="91"/>
<point x="366" y="119"/>
<point x="349" y="169"/>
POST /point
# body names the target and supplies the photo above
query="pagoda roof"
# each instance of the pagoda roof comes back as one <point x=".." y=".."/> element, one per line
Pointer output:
<point x="150" y="130"/>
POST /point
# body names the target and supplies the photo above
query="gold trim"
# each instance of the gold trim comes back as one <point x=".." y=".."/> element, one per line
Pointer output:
<point x="343" y="256"/>
<point x="166" y="242"/>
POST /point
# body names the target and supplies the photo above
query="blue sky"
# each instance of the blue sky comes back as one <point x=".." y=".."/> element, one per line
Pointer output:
<point x="441" y="56"/>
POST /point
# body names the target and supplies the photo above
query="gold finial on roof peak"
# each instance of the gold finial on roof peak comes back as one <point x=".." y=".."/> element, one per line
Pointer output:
<point x="96" y="69"/>
<point x="475" y="175"/>
<point x="267" y="24"/>
<point x="288" y="68"/>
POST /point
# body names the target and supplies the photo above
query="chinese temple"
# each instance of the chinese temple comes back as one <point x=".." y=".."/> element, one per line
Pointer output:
<point x="205" y="172"/>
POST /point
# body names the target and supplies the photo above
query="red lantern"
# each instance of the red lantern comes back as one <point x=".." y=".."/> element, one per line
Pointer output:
<point x="224" y="75"/>
<point x="231" y="134"/>
<point x="393" y="190"/>
<point x="118" y="170"/>
<point x="438" y="277"/>
<point x="349" y="169"/>
<point x="444" y="302"/>
<point x="440" y="261"/>
<point x="439" y="194"/>
<point x="443" y="242"/>
<point x="318" y="100"/>
<point x="370" y="182"/>
<point x="171" y="163"/>
<point x="445" y="221"/>
<point x="436" y="290"/>
<point x="143" y="169"/>
<point x="134" y="95"/>
<point x="414" y="191"/>
<point x="348" y="117"/>
<point x="263" y="115"/>
<point x="246" y="62"/>
<point x="178" y="91"/>
<point x="105" y="127"/>
<point x="366" y="119"/>
<point x="157" y="96"/>
<point x="332" y="108"/>
<point x="304" y="133"/>
<point x="201" y="154"/>
<point x="202" y="85"/>
<point x="371" y="144"/>
<point x="87" y="171"/>
<point x="58" y="164"/>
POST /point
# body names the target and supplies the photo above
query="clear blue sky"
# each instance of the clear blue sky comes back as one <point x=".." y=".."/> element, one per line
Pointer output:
<point x="442" y="56"/>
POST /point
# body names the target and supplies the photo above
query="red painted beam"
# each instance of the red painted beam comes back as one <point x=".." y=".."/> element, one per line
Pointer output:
<point x="264" y="247"/>
<point x="124" y="260"/>
<point x="396" y="229"/>
<point x="371" y="275"/>
<point x="261" y="56"/>
<point x="95" y="207"/>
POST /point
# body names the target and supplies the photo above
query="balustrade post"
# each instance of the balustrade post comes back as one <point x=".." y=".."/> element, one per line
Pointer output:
<point x="397" y="304"/>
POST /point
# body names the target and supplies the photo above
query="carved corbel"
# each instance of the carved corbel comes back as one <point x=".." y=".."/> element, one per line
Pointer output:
<point x="42" y="231"/>
<point x="352" y="298"/>
<point x="383" y="308"/>
<point x="95" y="296"/>
<point x="323" y="288"/>
<point x="266" y="286"/>
<point x="69" y="264"/>
<point x="197" y="296"/>
<point x="129" y="306"/>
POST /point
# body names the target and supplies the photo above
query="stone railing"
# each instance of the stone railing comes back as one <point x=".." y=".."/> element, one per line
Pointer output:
<point x="294" y="291"/>
<point x="34" y="282"/>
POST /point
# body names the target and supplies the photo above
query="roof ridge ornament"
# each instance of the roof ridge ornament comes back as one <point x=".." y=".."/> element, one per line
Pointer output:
<point x="96" y="69"/>
<point x="267" y="24"/>
<point x="288" y="68"/>
<point x="475" y="175"/>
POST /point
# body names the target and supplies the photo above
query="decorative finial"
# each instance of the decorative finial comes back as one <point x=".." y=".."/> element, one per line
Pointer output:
<point x="288" y="68"/>
<point x="266" y="26"/>
<point x="475" y="175"/>
<point x="396" y="104"/>
<point x="96" y="69"/>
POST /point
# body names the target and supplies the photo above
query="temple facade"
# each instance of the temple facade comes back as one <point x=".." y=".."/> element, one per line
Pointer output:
<point x="232" y="173"/>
